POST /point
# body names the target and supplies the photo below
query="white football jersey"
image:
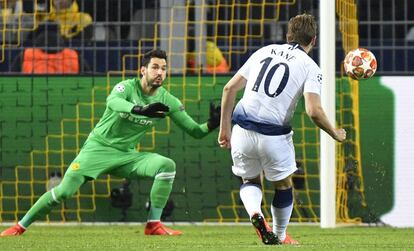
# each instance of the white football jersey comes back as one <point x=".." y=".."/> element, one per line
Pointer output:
<point x="277" y="76"/>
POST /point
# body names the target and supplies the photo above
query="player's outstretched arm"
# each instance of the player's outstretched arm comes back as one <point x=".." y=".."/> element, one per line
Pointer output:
<point x="194" y="129"/>
<point x="236" y="83"/>
<point x="317" y="114"/>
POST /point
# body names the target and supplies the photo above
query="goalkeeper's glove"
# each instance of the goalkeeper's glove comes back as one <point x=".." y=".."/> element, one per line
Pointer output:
<point x="154" y="110"/>
<point x="214" y="120"/>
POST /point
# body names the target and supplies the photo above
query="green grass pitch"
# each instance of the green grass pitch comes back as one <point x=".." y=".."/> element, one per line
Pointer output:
<point x="202" y="237"/>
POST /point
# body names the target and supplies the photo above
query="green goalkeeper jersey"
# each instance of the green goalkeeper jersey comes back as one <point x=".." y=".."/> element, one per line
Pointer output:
<point x="121" y="129"/>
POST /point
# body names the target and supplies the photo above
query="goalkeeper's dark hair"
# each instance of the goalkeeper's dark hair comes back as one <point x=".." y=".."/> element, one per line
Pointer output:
<point x="157" y="53"/>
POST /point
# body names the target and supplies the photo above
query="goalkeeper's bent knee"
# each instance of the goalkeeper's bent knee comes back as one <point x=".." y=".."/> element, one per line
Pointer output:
<point x="67" y="188"/>
<point x="166" y="170"/>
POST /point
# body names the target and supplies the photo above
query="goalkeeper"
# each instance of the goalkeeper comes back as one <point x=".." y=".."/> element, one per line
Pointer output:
<point x="133" y="107"/>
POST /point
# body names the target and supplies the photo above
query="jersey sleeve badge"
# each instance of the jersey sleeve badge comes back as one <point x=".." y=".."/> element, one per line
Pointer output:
<point x="319" y="77"/>
<point x="120" y="88"/>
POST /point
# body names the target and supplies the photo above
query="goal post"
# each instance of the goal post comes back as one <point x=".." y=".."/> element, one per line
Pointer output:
<point x="327" y="144"/>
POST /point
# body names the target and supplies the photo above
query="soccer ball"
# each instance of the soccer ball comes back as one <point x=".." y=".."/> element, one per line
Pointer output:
<point x="360" y="64"/>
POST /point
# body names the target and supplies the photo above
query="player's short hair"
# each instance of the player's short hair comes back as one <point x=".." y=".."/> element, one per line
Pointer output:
<point x="301" y="29"/>
<point x="157" y="53"/>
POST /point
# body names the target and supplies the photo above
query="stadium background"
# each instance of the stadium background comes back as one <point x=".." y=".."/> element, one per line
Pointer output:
<point x="45" y="118"/>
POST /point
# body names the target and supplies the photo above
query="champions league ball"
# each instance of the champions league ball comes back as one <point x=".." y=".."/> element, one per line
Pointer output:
<point x="360" y="64"/>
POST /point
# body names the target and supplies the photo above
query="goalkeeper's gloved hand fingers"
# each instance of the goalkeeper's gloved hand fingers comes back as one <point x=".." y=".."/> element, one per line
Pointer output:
<point x="154" y="110"/>
<point x="157" y="115"/>
<point x="212" y="107"/>
<point x="214" y="119"/>
<point x="157" y="110"/>
<point x="214" y="110"/>
<point x="158" y="107"/>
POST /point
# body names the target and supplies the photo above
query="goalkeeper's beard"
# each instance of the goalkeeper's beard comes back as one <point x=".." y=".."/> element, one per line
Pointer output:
<point x="153" y="84"/>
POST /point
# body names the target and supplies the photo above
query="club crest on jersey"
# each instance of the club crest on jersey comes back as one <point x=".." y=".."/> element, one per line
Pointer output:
<point x="75" y="166"/>
<point x="120" y="88"/>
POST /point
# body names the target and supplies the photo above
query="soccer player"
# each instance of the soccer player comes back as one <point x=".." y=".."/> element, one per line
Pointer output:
<point x="133" y="107"/>
<point x="274" y="78"/>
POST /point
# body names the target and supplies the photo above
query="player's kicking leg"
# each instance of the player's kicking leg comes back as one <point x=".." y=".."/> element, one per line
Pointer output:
<point x="251" y="195"/>
<point x="263" y="230"/>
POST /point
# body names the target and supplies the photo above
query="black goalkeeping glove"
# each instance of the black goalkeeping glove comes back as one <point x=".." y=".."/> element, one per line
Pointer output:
<point x="214" y="120"/>
<point x="154" y="110"/>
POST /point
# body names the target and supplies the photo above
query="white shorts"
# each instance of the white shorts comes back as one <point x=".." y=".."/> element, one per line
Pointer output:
<point x="253" y="153"/>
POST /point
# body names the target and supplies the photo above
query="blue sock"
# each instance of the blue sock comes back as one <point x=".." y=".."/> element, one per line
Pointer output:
<point x="282" y="206"/>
